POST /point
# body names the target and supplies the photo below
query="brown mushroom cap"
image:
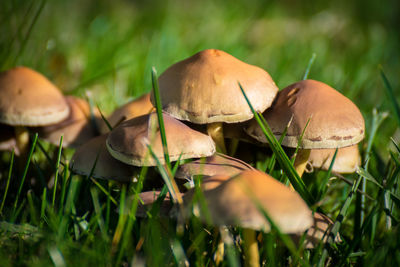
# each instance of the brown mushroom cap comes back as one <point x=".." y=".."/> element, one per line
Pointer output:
<point x="7" y="139"/>
<point x="106" y="167"/>
<point x="77" y="128"/>
<point x="29" y="99"/>
<point x="147" y="199"/>
<point x="233" y="203"/>
<point x="135" y="108"/>
<point x="334" y="120"/>
<point x="347" y="159"/>
<point x="204" y="88"/>
<point x="218" y="164"/>
<point x="128" y="141"/>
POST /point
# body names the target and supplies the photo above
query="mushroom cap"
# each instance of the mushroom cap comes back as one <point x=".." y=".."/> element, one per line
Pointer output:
<point x="148" y="198"/>
<point x="135" y="108"/>
<point x="77" y="128"/>
<point x="347" y="159"/>
<point x="29" y="99"/>
<point x="7" y="139"/>
<point x="233" y="203"/>
<point x="128" y="141"/>
<point x="218" y="164"/>
<point x="204" y="88"/>
<point x="335" y="121"/>
<point x="106" y="167"/>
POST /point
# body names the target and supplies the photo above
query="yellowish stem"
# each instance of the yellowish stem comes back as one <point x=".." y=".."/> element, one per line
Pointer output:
<point x="215" y="130"/>
<point x="250" y="247"/>
<point x="301" y="160"/>
<point x="22" y="137"/>
<point x="233" y="146"/>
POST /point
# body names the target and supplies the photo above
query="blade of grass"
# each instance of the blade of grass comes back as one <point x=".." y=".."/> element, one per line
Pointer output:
<point x="104" y="119"/>
<point x="25" y="171"/>
<point x="57" y="171"/>
<point x="43" y="207"/>
<point x="157" y="99"/>
<point x="322" y="187"/>
<point x="97" y="209"/>
<point x="32" y="209"/>
<point x="391" y="95"/>
<point x="8" y="182"/>
<point x="283" y="159"/>
<point x="310" y="63"/>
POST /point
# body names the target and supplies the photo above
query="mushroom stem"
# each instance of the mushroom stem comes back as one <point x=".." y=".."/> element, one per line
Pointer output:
<point x="219" y="253"/>
<point x="215" y="130"/>
<point x="250" y="247"/>
<point x="301" y="160"/>
<point x="22" y="137"/>
<point x="233" y="146"/>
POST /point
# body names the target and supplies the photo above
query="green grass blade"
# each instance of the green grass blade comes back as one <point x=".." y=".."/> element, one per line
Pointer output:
<point x="57" y="171"/>
<point x="43" y="207"/>
<point x="105" y="119"/>
<point x="310" y="63"/>
<point x="282" y="158"/>
<point x="8" y="182"/>
<point x="157" y="99"/>
<point x="97" y="209"/>
<point x="391" y="95"/>
<point x="322" y="187"/>
<point x="32" y="209"/>
<point x="25" y="170"/>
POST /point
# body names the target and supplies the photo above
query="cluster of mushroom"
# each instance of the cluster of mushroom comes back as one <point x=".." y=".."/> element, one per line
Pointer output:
<point x="202" y="107"/>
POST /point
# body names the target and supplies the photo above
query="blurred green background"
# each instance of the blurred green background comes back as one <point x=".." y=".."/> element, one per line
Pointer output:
<point x="107" y="48"/>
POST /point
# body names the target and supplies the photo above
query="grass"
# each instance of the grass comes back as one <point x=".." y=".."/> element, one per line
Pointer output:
<point x="50" y="216"/>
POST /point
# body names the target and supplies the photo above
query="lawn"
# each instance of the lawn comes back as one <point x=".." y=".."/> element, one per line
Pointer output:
<point x="104" y="51"/>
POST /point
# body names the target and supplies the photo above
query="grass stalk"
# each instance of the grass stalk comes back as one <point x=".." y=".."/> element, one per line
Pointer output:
<point x="57" y="171"/>
<point x="8" y="182"/>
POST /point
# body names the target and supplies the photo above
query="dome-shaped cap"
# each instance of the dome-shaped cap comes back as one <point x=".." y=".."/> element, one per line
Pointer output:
<point x="135" y="108"/>
<point x="204" y="88"/>
<point x="29" y="99"/>
<point x="347" y="159"/>
<point x="106" y="167"/>
<point x="233" y="203"/>
<point x="128" y="141"/>
<point x="335" y="121"/>
<point x="218" y="164"/>
<point x="77" y="128"/>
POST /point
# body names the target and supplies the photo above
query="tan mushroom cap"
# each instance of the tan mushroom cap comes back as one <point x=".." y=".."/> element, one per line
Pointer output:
<point x="233" y="203"/>
<point x="335" y="121"/>
<point x="204" y="88"/>
<point x="106" y="167"/>
<point x="135" y="108"/>
<point x="347" y="159"/>
<point x="128" y="141"/>
<point x="77" y="128"/>
<point x="29" y="99"/>
<point x="218" y="164"/>
<point x="147" y="199"/>
<point x="8" y="141"/>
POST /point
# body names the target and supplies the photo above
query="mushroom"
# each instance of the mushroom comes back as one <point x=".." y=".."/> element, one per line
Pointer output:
<point x="237" y="202"/>
<point x="347" y="159"/>
<point x="128" y="141"/>
<point x="203" y="89"/>
<point x="29" y="99"/>
<point x="135" y="108"/>
<point x="77" y="128"/>
<point x="334" y="121"/>
<point x="106" y="167"/>
<point x="7" y="139"/>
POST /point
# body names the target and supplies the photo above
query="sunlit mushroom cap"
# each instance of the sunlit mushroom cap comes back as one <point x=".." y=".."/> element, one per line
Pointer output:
<point x="29" y="99"/>
<point x="135" y="108"/>
<point x="106" y="166"/>
<point x="77" y="128"/>
<point x="347" y="159"/>
<point x="7" y="139"/>
<point x="335" y="121"/>
<point x="233" y="202"/>
<point x="204" y="88"/>
<point x="218" y="164"/>
<point x="128" y="141"/>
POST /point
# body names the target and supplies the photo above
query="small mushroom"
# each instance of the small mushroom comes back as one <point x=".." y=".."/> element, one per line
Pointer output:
<point x="128" y="141"/>
<point x="203" y="89"/>
<point x="135" y="108"/>
<point x="29" y="99"/>
<point x="334" y="121"/>
<point x="76" y="129"/>
<point x="106" y="167"/>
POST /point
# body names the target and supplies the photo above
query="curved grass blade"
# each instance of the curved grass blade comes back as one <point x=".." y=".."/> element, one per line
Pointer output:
<point x="310" y="63"/>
